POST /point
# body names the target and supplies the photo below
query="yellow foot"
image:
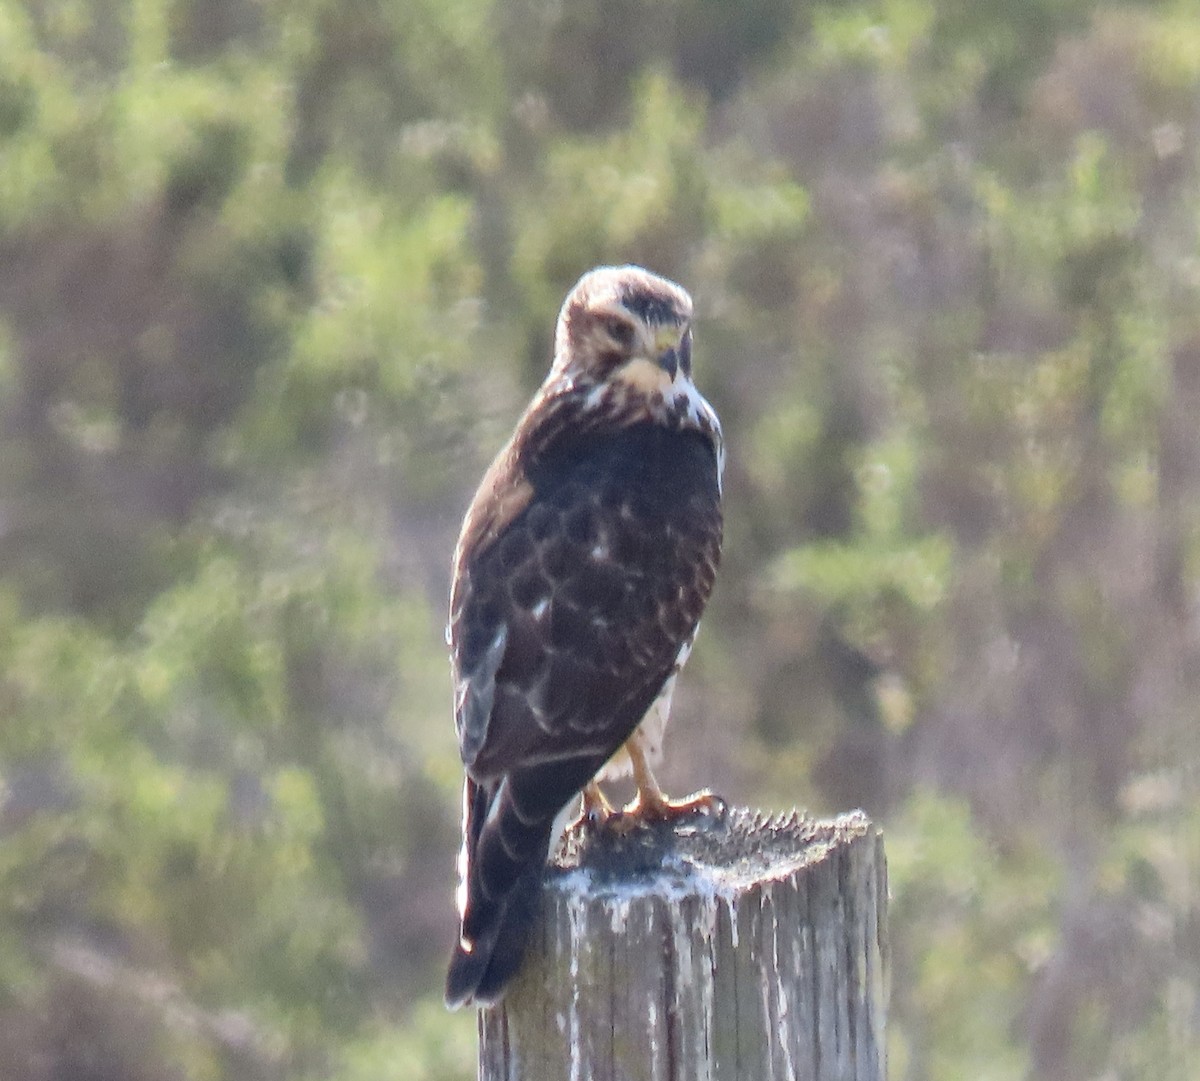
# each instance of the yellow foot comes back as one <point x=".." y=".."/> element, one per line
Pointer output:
<point x="650" y="808"/>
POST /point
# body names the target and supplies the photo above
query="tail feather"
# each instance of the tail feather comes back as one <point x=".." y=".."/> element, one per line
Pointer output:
<point x="481" y="975"/>
<point x="507" y="832"/>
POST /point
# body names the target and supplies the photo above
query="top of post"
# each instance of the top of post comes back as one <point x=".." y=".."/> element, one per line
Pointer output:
<point x="706" y="854"/>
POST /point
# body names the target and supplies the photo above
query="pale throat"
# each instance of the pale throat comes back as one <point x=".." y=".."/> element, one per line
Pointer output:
<point x="646" y="377"/>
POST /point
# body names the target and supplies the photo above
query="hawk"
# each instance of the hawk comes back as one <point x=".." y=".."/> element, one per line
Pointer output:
<point x="584" y="562"/>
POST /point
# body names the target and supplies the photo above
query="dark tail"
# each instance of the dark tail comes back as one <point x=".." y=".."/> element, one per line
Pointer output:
<point x="507" y="826"/>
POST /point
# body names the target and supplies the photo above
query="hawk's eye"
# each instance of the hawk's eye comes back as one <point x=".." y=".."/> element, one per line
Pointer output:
<point x="619" y="331"/>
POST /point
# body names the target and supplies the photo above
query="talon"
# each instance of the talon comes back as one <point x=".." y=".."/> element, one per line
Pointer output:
<point x="595" y="812"/>
<point x="650" y="805"/>
<point x="655" y="807"/>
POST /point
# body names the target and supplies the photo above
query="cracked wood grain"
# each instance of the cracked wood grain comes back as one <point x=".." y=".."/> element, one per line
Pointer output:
<point x="741" y="949"/>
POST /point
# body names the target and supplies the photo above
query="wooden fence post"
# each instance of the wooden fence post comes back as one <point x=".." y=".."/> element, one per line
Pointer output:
<point x="746" y="948"/>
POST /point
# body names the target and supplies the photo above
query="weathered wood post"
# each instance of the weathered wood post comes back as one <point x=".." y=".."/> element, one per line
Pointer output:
<point x="744" y="948"/>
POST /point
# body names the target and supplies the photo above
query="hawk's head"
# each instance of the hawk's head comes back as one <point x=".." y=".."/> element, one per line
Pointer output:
<point x="627" y="331"/>
<point x="622" y="354"/>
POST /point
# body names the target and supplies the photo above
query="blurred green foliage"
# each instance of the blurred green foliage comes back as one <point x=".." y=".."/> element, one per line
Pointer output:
<point x="275" y="281"/>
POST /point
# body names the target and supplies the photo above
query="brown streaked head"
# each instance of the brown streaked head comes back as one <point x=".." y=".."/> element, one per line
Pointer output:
<point x="626" y="325"/>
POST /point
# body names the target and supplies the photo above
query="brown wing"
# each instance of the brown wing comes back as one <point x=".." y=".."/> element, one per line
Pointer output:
<point x="565" y="625"/>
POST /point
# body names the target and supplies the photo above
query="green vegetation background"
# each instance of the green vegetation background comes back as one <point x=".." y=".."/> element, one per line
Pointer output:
<point x="275" y="280"/>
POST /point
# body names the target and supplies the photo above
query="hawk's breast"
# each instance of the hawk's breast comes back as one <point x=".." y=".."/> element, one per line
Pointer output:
<point x="595" y="585"/>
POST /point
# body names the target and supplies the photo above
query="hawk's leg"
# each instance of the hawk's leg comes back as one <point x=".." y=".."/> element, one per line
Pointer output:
<point x="650" y="805"/>
<point x="595" y="810"/>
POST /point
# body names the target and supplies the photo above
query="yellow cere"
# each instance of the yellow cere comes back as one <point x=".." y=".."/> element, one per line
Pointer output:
<point x="667" y="337"/>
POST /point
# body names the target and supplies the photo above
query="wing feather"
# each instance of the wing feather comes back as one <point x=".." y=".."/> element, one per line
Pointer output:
<point x="475" y="694"/>
<point x="589" y="593"/>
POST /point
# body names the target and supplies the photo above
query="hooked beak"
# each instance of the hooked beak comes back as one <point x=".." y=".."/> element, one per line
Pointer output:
<point x="668" y="360"/>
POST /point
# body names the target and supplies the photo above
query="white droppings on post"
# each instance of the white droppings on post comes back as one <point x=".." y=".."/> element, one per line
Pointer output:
<point x="576" y="924"/>
<point x="710" y="905"/>
<point x="781" y="986"/>
<point x="704" y="975"/>
<point x="618" y="911"/>
<point x="633" y="976"/>
<point x="680" y="931"/>
<point x="654" y="1048"/>
<point x="732" y="912"/>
